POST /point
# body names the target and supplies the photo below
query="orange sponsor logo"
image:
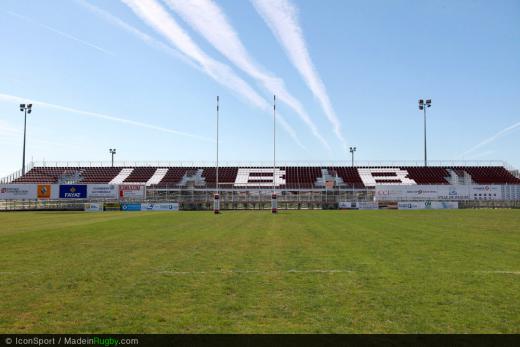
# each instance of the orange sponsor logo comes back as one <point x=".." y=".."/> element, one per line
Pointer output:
<point x="44" y="191"/>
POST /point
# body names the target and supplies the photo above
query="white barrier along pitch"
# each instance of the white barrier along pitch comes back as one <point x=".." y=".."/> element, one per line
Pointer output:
<point x="427" y="205"/>
<point x="170" y="206"/>
<point x="94" y="207"/>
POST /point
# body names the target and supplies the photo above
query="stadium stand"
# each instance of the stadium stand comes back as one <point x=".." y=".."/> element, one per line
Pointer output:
<point x="291" y="177"/>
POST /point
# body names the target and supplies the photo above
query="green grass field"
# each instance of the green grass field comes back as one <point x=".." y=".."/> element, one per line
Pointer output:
<point x="251" y="272"/>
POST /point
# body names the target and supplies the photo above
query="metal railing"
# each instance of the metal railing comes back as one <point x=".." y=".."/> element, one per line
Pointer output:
<point x="281" y="163"/>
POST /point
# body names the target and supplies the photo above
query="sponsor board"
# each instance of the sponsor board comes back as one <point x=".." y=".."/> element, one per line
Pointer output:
<point x="112" y="206"/>
<point x="44" y="191"/>
<point x="18" y="191"/>
<point x="170" y="206"/>
<point x="427" y="205"/>
<point x="131" y="191"/>
<point x="365" y="205"/>
<point x="93" y="207"/>
<point x="437" y="192"/>
<point x="347" y="205"/>
<point x="73" y="191"/>
<point x="343" y="205"/>
<point x="130" y="207"/>
<point x="486" y="192"/>
<point x="102" y="191"/>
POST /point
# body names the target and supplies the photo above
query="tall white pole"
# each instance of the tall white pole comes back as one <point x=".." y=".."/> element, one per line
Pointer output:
<point x="274" y="204"/>
<point x="216" y="201"/>
<point x="217" y="138"/>
<point x="274" y="142"/>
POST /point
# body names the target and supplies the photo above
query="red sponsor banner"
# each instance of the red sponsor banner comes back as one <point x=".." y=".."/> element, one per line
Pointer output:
<point x="131" y="191"/>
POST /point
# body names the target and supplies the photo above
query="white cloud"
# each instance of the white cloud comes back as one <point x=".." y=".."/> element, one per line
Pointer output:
<point x="17" y="99"/>
<point x="208" y="19"/>
<point x="158" y="18"/>
<point x="61" y="33"/>
<point x="281" y="17"/>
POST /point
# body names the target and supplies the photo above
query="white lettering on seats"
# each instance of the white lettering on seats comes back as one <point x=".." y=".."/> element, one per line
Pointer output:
<point x="256" y="177"/>
<point x="373" y="176"/>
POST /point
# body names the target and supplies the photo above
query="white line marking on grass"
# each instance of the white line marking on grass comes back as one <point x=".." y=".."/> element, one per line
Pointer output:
<point x="500" y="272"/>
<point x="166" y="272"/>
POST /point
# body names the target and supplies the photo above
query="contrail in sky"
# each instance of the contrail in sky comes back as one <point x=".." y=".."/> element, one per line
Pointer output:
<point x="206" y="17"/>
<point x="158" y="18"/>
<point x="281" y="17"/>
<point x="17" y="99"/>
<point x="61" y="33"/>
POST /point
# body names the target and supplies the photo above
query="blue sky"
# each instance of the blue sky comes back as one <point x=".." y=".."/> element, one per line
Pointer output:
<point x="346" y="73"/>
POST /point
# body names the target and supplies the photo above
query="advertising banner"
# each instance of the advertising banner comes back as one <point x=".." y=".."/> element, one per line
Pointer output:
<point x="487" y="192"/>
<point x="102" y="191"/>
<point x="364" y="205"/>
<point x="438" y="192"/>
<point x="427" y="205"/>
<point x="73" y="191"/>
<point x="94" y="207"/>
<point x="112" y="206"/>
<point x="421" y="192"/>
<point x="130" y="207"/>
<point x="345" y="205"/>
<point x="132" y="191"/>
<point x="18" y="191"/>
<point x="169" y="206"/>
<point x="44" y="191"/>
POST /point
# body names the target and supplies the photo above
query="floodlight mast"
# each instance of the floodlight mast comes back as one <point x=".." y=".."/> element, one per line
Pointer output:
<point x="423" y="106"/>
<point x="352" y="151"/>
<point x="26" y="109"/>
<point x="113" y="152"/>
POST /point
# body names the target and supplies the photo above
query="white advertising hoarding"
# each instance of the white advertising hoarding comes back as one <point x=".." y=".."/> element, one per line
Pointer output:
<point x="132" y="191"/>
<point x="427" y="205"/>
<point x="343" y="205"/>
<point x="169" y="206"/>
<point x="358" y="205"/>
<point x="363" y="205"/>
<point x="94" y="207"/>
<point x="102" y="191"/>
<point x="18" y="192"/>
<point x="437" y="192"/>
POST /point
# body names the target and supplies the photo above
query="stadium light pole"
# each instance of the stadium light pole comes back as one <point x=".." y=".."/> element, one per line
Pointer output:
<point x="26" y="109"/>
<point x="274" y="205"/>
<point x="423" y="106"/>
<point x="352" y="151"/>
<point x="113" y="152"/>
<point x="216" y="198"/>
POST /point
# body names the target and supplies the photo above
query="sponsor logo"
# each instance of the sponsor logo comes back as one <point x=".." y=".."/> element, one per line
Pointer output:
<point x="73" y="191"/>
<point x="44" y="191"/>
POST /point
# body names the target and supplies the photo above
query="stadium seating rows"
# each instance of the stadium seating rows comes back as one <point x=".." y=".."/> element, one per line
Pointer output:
<point x="296" y="177"/>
